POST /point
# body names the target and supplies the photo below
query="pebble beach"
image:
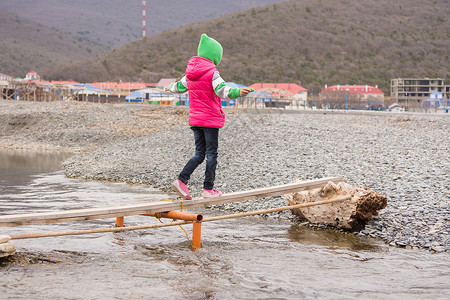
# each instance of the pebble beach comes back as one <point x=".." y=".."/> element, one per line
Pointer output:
<point x="403" y="156"/>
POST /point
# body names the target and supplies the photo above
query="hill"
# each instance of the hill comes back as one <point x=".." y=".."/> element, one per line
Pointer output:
<point x="316" y="42"/>
<point x="26" y="45"/>
<point x="115" y="23"/>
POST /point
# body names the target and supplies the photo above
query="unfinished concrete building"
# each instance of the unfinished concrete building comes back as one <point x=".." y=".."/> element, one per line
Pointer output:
<point x="409" y="92"/>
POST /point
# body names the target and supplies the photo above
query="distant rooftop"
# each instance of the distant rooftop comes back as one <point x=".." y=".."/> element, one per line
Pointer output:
<point x="360" y="89"/>
<point x="123" y="85"/>
<point x="292" y="88"/>
<point x="166" y="82"/>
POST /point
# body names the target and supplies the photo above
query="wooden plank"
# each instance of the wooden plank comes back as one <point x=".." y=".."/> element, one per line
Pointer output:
<point x="160" y="206"/>
<point x="216" y="218"/>
<point x="263" y="192"/>
<point x="88" y="213"/>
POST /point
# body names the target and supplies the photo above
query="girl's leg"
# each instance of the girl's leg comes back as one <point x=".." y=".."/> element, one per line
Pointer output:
<point x="212" y="144"/>
<point x="198" y="158"/>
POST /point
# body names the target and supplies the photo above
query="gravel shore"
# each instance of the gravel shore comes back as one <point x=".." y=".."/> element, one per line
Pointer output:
<point x="403" y="156"/>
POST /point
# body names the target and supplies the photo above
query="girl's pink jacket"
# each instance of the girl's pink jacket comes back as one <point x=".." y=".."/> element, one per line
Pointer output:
<point x="205" y="106"/>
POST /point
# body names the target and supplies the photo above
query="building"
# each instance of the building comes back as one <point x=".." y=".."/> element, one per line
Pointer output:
<point x="411" y="91"/>
<point x="122" y="86"/>
<point x="165" y="82"/>
<point x="351" y="96"/>
<point x="396" y="108"/>
<point x="4" y="77"/>
<point x="32" y="75"/>
<point x="58" y="82"/>
<point x="292" y="91"/>
<point x="436" y="101"/>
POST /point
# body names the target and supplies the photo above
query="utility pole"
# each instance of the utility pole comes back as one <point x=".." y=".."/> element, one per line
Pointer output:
<point x="346" y="99"/>
<point x="143" y="17"/>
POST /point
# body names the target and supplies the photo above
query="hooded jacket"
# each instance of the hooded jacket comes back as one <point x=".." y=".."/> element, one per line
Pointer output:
<point x="205" y="106"/>
<point x="205" y="86"/>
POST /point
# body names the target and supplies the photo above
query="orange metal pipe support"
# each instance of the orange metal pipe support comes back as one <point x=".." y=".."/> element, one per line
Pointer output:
<point x="119" y="221"/>
<point x="196" y="234"/>
<point x="179" y="215"/>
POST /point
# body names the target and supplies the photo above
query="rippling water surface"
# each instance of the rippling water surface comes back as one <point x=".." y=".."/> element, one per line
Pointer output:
<point x="250" y="258"/>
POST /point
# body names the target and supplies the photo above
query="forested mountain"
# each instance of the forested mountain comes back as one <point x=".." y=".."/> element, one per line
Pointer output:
<point x="316" y="42"/>
<point x="27" y="45"/>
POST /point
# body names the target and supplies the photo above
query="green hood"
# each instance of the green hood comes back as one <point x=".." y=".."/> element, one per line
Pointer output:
<point x="210" y="49"/>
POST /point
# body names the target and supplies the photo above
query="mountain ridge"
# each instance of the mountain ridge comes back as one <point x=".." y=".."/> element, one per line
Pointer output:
<point x="114" y="23"/>
<point x="35" y="46"/>
<point x="315" y="42"/>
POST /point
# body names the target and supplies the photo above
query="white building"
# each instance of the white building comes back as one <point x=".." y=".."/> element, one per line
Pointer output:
<point x="4" y="77"/>
<point x="32" y="75"/>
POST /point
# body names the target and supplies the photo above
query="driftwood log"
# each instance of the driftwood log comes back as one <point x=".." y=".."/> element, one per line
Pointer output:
<point x="7" y="247"/>
<point x="351" y="215"/>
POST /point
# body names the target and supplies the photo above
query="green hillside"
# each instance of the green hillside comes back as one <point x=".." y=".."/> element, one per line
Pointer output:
<point x="26" y="45"/>
<point x="316" y="42"/>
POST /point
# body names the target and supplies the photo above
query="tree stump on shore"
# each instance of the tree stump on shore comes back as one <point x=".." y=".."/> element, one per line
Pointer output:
<point x="352" y="214"/>
<point x="7" y="247"/>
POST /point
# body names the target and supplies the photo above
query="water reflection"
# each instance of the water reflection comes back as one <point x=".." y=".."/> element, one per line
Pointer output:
<point x="330" y="238"/>
<point x="17" y="167"/>
<point x="31" y="161"/>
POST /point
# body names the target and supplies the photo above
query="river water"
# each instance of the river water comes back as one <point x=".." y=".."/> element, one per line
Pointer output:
<point x="245" y="258"/>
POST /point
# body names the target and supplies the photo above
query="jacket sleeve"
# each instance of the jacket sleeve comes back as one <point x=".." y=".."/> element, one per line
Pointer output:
<point x="179" y="86"/>
<point x="222" y="90"/>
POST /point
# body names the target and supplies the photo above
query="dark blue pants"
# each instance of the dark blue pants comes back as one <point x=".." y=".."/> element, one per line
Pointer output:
<point x="206" y="144"/>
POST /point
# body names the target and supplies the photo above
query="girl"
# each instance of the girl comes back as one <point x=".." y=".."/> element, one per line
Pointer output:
<point x="206" y="89"/>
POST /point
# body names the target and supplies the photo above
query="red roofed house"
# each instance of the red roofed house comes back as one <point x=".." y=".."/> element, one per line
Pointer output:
<point x="60" y="82"/>
<point x="165" y="82"/>
<point x="32" y="75"/>
<point x="355" y="95"/>
<point x="291" y="91"/>
<point x="4" y="77"/>
<point x="122" y="86"/>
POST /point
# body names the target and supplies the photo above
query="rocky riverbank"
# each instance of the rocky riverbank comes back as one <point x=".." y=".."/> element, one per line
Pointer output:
<point x="403" y="156"/>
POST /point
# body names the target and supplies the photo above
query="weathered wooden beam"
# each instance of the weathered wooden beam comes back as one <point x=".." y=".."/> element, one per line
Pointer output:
<point x="160" y="206"/>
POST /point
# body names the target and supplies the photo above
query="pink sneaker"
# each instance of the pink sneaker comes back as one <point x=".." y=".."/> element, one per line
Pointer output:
<point x="211" y="193"/>
<point x="181" y="189"/>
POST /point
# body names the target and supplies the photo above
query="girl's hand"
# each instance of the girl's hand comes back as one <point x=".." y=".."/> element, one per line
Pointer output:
<point x="244" y="92"/>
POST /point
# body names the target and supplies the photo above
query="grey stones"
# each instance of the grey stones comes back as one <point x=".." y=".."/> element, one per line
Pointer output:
<point x="259" y="150"/>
